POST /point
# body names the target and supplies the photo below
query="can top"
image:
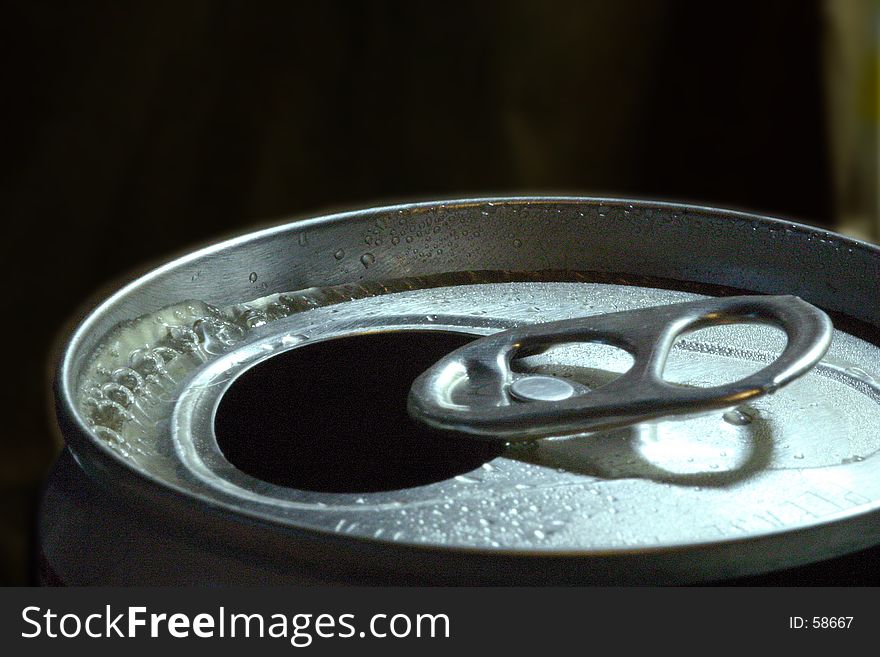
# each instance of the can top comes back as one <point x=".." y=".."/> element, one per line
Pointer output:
<point x="171" y="383"/>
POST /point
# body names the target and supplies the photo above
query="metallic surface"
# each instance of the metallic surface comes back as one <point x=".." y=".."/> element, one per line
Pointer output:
<point x="540" y="388"/>
<point x="470" y="390"/>
<point x="669" y="502"/>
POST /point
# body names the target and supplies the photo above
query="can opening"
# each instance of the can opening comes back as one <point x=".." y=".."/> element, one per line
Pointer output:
<point x="331" y="417"/>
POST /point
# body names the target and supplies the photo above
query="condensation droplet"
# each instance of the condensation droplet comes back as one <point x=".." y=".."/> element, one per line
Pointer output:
<point x="339" y="255"/>
<point x="368" y="259"/>
<point x="253" y="277"/>
<point x="737" y="417"/>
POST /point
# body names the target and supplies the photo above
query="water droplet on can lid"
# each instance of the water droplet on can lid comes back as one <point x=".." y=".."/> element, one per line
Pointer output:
<point x="737" y="417"/>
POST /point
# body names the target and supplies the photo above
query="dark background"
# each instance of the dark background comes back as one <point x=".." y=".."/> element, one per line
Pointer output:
<point x="134" y="131"/>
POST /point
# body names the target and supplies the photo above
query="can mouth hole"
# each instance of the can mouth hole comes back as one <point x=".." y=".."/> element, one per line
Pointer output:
<point x="331" y="417"/>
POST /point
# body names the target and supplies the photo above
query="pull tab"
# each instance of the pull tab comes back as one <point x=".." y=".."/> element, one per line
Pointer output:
<point x="493" y="402"/>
